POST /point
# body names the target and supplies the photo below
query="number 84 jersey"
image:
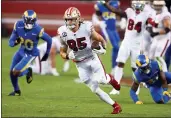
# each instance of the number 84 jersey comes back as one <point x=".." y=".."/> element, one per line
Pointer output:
<point x="79" y="41"/>
<point x="135" y="25"/>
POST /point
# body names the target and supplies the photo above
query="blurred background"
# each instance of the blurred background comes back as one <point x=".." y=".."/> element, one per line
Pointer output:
<point x="50" y="13"/>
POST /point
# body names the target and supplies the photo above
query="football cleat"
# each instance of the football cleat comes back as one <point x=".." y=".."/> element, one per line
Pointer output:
<point x="29" y="76"/>
<point x="114" y="92"/>
<point x="15" y="93"/>
<point x="117" y="108"/>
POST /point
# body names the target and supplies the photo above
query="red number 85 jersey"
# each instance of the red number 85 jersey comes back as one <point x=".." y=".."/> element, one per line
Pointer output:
<point x="135" y="25"/>
<point x="79" y="41"/>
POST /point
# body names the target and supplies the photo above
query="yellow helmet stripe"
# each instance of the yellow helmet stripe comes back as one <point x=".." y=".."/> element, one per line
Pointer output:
<point x="34" y="15"/>
<point x="26" y="13"/>
<point x="138" y="63"/>
<point x="147" y="59"/>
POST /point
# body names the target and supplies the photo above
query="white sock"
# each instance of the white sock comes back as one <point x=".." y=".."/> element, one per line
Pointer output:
<point x="118" y="74"/>
<point x="138" y="90"/>
<point x="66" y="66"/>
<point x="104" y="96"/>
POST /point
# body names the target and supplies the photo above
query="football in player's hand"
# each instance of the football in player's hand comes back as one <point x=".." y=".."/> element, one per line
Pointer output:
<point x="95" y="45"/>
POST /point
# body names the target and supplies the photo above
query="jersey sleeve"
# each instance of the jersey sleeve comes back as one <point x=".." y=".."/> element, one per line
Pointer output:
<point x="166" y="15"/>
<point x="62" y="36"/>
<point x="41" y="32"/>
<point x="129" y="12"/>
<point x="89" y="27"/>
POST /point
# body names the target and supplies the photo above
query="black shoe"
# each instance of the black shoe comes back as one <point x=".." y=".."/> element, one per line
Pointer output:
<point x="29" y="75"/>
<point x="15" y="93"/>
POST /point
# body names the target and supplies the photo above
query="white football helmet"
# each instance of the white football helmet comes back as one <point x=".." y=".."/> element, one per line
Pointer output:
<point x="137" y="5"/>
<point x="72" y="17"/>
<point x="158" y="5"/>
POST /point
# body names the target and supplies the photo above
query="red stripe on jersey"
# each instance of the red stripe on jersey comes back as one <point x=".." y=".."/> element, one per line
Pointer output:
<point x="164" y="48"/>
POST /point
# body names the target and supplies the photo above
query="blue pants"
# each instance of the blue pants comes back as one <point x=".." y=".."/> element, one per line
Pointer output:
<point x="168" y="56"/>
<point x="114" y="39"/>
<point x="157" y="92"/>
<point x="20" y="62"/>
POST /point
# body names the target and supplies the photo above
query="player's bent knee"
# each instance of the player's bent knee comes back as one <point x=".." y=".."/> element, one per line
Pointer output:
<point x="93" y="85"/>
<point x="16" y="72"/>
<point x="121" y="65"/>
<point x="160" y="102"/>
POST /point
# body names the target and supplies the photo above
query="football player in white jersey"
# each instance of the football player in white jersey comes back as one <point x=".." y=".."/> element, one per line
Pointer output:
<point x="78" y="36"/>
<point x="131" y="45"/>
<point x="162" y="34"/>
<point x="49" y="66"/>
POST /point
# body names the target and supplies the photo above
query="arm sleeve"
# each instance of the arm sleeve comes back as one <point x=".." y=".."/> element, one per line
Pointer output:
<point x="13" y="37"/>
<point x="46" y="38"/>
<point x="61" y="38"/>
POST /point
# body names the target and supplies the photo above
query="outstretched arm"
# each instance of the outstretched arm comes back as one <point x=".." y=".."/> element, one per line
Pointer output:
<point x="115" y="10"/>
<point x="133" y="90"/>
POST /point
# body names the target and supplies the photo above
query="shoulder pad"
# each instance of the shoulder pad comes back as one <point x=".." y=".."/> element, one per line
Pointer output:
<point x="39" y="30"/>
<point x="62" y="31"/>
<point x="18" y="24"/>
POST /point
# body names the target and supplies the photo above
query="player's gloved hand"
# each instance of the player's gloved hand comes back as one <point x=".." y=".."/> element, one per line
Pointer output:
<point x="152" y="34"/>
<point x="71" y="55"/>
<point x="100" y="51"/>
<point x="139" y="102"/>
<point x="45" y="57"/>
<point x="167" y="93"/>
<point x="17" y="41"/>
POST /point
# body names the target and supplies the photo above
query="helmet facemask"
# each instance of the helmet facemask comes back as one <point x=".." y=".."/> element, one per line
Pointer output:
<point x="71" y="23"/>
<point x="29" y="19"/>
<point x="72" y="17"/>
<point x="145" y="69"/>
<point x="137" y="6"/>
<point x="29" y="22"/>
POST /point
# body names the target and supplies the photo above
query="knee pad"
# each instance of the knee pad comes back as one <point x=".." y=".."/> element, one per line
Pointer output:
<point x="93" y="85"/>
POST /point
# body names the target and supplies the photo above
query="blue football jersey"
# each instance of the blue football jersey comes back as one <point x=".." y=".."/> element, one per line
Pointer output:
<point x="151" y="79"/>
<point x="29" y="38"/>
<point x="108" y="16"/>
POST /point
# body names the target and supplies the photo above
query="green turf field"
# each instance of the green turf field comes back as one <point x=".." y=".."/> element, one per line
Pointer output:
<point x="49" y="96"/>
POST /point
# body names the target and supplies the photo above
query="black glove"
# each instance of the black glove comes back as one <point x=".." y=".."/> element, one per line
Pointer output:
<point x="45" y="57"/>
<point x="152" y="34"/>
<point x="17" y="41"/>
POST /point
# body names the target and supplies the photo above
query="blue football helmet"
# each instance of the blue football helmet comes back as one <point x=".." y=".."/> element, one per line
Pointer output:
<point x="143" y="64"/>
<point x="30" y="19"/>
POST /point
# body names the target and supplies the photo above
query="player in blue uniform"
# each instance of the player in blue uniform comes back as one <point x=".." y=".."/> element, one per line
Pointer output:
<point x="26" y="32"/>
<point x="168" y="57"/>
<point x="150" y="72"/>
<point x="110" y="21"/>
